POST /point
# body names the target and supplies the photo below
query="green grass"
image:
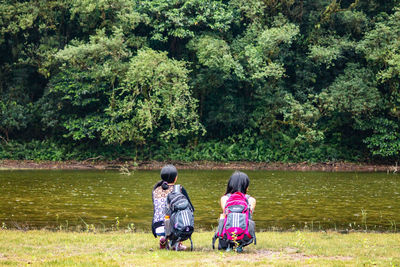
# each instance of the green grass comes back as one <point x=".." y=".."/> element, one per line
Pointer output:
<point x="141" y="249"/>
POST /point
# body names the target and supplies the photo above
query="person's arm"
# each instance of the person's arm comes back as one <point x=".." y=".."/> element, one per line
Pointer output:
<point x="168" y="211"/>
<point x="252" y="202"/>
<point x="223" y="202"/>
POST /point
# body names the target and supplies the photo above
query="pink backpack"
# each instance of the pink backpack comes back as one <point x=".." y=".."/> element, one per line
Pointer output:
<point x="234" y="229"/>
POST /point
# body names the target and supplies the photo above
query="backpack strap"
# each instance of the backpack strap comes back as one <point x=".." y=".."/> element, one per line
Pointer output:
<point x="191" y="243"/>
<point x="213" y="240"/>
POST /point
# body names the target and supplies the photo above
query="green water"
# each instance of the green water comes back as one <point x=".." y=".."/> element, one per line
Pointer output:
<point x="285" y="200"/>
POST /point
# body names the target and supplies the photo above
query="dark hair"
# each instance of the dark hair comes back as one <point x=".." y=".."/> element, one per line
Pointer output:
<point x="238" y="182"/>
<point x="169" y="173"/>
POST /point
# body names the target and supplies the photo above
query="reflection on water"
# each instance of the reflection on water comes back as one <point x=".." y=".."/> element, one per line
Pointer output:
<point x="285" y="200"/>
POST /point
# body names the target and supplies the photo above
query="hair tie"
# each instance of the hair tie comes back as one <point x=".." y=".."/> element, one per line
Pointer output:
<point x="164" y="185"/>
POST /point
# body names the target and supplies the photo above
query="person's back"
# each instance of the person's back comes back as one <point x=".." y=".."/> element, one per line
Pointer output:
<point x="160" y="205"/>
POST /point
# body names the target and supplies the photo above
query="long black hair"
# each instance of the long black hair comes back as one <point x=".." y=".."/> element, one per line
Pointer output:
<point x="238" y="182"/>
<point x="168" y="174"/>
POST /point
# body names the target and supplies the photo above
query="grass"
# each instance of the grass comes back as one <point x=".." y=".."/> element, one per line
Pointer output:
<point x="140" y="249"/>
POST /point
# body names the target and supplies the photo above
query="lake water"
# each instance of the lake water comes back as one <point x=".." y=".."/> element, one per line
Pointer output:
<point x="285" y="200"/>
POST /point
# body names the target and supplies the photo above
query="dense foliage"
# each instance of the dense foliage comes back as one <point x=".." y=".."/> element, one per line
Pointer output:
<point x="260" y="80"/>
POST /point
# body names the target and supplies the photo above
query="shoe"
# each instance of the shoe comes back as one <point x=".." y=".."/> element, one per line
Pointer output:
<point x="180" y="247"/>
<point x="163" y="242"/>
<point x="239" y="249"/>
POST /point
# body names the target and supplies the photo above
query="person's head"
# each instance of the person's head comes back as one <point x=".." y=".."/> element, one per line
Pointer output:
<point x="168" y="175"/>
<point x="238" y="182"/>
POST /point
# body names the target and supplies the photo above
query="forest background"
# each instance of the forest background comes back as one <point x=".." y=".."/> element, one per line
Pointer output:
<point x="238" y="80"/>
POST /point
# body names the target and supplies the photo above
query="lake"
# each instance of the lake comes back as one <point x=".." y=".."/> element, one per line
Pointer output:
<point x="78" y="200"/>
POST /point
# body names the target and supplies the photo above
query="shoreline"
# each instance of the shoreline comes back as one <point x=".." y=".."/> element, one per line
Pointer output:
<point x="93" y="164"/>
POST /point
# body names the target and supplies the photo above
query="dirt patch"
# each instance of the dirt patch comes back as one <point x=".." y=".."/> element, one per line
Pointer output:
<point x="286" y="254"/>
<point x="198" y="165"/>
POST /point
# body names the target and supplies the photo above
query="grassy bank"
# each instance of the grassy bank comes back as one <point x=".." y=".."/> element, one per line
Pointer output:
<point x="140" y="249"/>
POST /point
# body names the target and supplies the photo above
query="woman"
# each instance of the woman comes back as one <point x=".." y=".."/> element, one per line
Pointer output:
<point x="236" y="229"/>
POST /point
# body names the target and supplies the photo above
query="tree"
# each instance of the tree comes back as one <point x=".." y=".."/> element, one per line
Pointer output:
<point x="13" y="116"/>
<point x="381" y="48"/>
<point x="153" y="99"/>
<point x="89" y="73"/>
